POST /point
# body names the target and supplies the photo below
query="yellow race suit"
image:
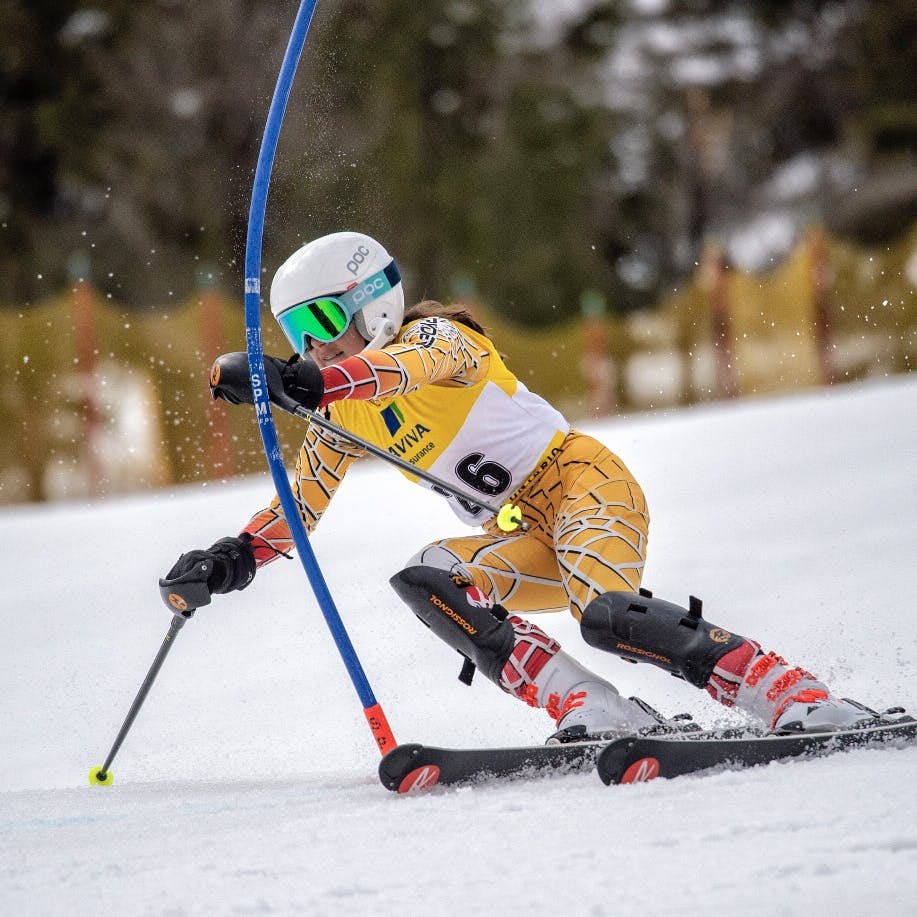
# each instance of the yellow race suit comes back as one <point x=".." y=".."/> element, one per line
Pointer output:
<point x="441" y="398"/>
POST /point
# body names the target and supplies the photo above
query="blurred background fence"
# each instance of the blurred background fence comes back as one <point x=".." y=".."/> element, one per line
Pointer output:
<point x="650" y="202"/>
<point x="100" y="398"/>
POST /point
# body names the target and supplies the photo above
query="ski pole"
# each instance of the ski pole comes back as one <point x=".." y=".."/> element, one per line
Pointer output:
<point x="184" y="595"/>
<point x="375" y="717"/>
<point x="102" y="776"/>
<point x="509" y="518"/>
<point x="230" y="371"/>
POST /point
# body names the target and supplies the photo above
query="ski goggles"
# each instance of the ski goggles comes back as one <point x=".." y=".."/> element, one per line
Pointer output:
<point x="326" y="318"/>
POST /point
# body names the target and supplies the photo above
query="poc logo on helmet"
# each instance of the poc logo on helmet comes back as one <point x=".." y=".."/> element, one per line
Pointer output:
<point x="367" y="291"/>
<point x="356" y="259"/>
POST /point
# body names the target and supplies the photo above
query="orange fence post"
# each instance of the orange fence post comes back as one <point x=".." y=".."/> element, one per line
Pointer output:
<point x="714" y="284"/>
<point x="213" y="343"/>
<point x="821" y="305"/>
<point x="87" y="353"/>
<point x="596" y="363"/>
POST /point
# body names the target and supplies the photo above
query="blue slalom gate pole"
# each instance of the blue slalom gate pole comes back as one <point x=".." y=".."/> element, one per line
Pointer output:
<point x="371" y="709"/>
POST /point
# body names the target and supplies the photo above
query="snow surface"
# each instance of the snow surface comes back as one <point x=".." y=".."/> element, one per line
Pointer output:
<point x="248" y="783"/>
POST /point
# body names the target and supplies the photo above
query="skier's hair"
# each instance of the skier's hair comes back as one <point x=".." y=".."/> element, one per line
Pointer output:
<point x="430" y="308"/>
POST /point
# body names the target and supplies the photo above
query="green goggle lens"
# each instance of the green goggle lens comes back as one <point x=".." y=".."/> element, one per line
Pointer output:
<point x="322" y="319"/>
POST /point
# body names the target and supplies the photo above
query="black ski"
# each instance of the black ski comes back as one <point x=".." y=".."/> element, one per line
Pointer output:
<point x="417" y="767"/>
<point x="636" y="759"/>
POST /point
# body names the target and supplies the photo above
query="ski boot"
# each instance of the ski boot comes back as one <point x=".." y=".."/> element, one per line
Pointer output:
<point x="584" y="725"/>
<point x="818" y="711"/>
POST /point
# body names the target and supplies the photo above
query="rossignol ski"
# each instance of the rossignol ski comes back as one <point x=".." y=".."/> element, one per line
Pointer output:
<point x="419" y="767"/>
<point x="415" y="767"/>
<point x="631" y="759"/>
<point x="636" y="759"/>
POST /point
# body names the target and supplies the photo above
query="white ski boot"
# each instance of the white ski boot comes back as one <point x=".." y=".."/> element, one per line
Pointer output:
<point x="817" y="711"/>
<point x="585" y="706"/>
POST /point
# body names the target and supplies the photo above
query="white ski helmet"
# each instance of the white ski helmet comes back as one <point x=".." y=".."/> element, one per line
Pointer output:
<point x="329" y="281"/>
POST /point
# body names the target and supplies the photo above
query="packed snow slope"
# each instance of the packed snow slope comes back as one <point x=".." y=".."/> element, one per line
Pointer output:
<point x="248" y="783"/>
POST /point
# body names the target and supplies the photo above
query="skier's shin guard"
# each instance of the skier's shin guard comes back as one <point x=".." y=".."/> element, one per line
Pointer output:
<point x="460" y="614"/>
<point x="641" y="628"/>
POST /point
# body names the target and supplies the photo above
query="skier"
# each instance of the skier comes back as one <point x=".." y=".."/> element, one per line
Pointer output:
<point x="430" y="386"/>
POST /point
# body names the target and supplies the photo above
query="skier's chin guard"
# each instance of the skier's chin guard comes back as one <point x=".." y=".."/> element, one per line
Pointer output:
<point x="641" y="628"/>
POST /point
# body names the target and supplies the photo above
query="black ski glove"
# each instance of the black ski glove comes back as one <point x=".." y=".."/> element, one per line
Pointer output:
<point x="298" y="379"/>
<point x="302" y="380"/>
<point x="225" y="566"/>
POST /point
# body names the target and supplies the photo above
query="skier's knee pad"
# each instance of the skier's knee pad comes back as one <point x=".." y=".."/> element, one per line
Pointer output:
<point x="641" y="628"/>
<point x="460" y="614"/>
